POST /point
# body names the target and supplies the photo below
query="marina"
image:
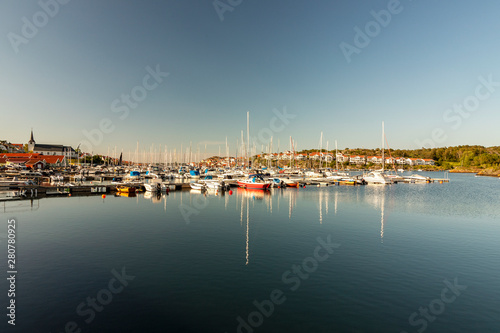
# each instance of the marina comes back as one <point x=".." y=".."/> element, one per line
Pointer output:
<point x="33" y="186"/>
<point x="247" y="166"/>
<point x="397" y="244"/>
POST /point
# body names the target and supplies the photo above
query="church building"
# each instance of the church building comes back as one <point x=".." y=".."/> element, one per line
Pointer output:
<point x="46" y="149"/>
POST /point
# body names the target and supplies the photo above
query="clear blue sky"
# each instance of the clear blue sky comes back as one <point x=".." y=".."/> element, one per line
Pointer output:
<point x="264" y="55"/>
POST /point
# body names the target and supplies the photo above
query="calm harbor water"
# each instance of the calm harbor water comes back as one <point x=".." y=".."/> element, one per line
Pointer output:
<point x="400" y="258"/>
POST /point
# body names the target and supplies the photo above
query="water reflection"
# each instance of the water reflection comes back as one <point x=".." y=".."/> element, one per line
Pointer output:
<point x="254" y="194"/>
<point x="127" y="195"/>
<point x="246" y="195"/>
<point x="382" y="207"/>
<point x="281" y="201"/>
<point x="248" y="235"/>
<point x="16" y="206"/>
<point x="154" y="197"/>
<point x="377" y="197"/>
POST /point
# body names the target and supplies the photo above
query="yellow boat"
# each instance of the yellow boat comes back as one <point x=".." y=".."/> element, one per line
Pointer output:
<point x="125" y="189"/>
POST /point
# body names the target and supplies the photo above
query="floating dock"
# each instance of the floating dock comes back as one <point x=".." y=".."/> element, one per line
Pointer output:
<point x="41" y="191"/>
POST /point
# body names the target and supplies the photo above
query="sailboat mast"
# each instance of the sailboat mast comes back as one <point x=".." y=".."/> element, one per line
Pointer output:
<point x="320" y="150"/>
<point x="248" y="137"/>
<point x="243" y="153"/>
<point x="326" y="155"/>
<point x="383" y="147"/>
<point x="336" y="157"/>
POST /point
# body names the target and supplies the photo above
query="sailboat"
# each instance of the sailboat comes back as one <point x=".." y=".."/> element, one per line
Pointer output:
<point x="379" y="176"/>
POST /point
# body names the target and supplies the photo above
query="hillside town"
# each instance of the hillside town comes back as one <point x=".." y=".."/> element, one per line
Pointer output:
<point x="32" y="155"/>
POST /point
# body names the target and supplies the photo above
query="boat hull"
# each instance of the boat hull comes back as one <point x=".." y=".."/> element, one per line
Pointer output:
<point x="197" y="186"/>
<point x="254" y="186"/>
<point x="125" y="189"/>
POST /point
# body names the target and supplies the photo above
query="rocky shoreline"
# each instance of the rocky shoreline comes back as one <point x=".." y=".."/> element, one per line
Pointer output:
<point x="489" y="172"/>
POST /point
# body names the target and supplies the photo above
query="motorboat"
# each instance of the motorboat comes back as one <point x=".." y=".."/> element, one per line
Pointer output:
<point x="15" y="182"/>
<point x="254" y="182"/>
<point x="213" y="184"/>
<point x="377" y="177"/>
<point x="153" y="187"/>
<point x="79" y="178"/>
<point x="153" y="175"/>
<point x="126" y="189"/>
<point x="290" y="182"/>
<point x="28" y="173"/>
<point x="56" y="178"/>
<point x="314" y="174"/>
<point x="197" y="186"/>
<point x="117" y="180"/>
<point x="395" y="177"/>
<point x="134" y="175"/>
<point x="195" y="174"/>
<point x="285" y="182"/>
<point x="416" y="178"/>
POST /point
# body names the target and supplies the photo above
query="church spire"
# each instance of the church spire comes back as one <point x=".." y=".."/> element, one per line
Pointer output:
<point x="31" y="138"/>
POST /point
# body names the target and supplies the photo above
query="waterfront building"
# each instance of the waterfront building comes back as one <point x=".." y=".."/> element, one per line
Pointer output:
<point x="374" y="159"/>
<point x="327" y="157"/>
<point x="33" y="159"/>
<point x="390" y="160"/>
<point x="300" y="157"/>
<point x="342" y="158"/>
<point x="357" y="159"/>
<point x="414" y="161"/>
<point x="11" y="147"/>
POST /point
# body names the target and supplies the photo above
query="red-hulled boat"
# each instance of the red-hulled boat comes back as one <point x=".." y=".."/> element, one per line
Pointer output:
<point x="254" y="182"/>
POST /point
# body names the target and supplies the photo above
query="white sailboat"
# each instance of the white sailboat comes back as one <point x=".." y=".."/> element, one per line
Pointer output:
<point x="379" y="176"/>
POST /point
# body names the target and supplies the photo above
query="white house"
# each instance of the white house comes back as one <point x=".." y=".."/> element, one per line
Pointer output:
<point x="315" y="156"/>
<point x="414" y="161"/>
<point x="357" y="159"/>
<point x="374" y="159"/>
<point x="328" y="158"/>
<point x="300" y="157"/>
<point x="390" y="160"/>
<point x="342" y="158"/>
